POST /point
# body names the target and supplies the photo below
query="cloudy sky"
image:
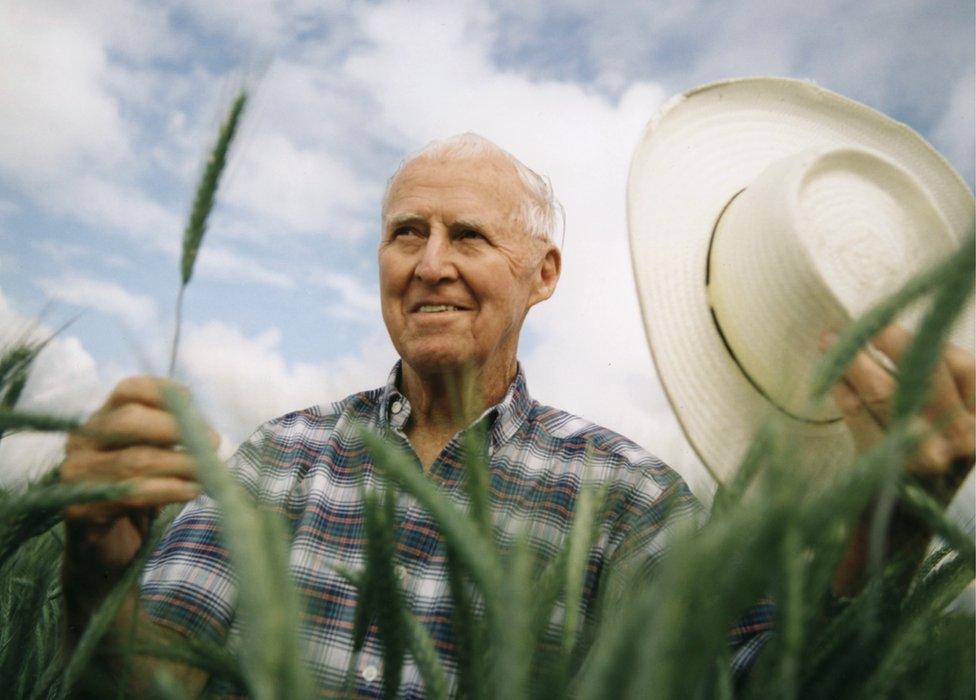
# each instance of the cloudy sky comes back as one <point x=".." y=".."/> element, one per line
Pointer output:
<point x="106" y="113"/>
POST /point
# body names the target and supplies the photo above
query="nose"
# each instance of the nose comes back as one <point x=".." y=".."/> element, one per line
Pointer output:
<point x="436" y="263"/>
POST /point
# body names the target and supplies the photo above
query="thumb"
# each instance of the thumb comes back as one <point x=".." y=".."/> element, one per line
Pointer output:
<point x="860" y="422"/>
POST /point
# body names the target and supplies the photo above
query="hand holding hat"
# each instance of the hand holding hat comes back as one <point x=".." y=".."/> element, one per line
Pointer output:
<point x="763" y="211"/>
<point x="866" y="391"/>
<point x="945" y="456"/>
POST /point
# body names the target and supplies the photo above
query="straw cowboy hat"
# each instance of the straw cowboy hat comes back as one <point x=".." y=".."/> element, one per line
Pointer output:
<point x="761" y="212"/>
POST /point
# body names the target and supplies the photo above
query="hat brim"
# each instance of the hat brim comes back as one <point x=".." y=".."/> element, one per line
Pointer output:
<point x="704" y="147"/>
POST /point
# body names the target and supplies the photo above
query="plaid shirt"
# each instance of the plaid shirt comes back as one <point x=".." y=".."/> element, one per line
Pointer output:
<point x="309" y="465"/>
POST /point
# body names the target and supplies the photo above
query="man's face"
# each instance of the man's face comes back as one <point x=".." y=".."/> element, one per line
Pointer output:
<point x="456" y="275"/>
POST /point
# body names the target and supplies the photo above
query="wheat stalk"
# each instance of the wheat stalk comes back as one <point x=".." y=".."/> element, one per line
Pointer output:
<point x="203" y="201"/>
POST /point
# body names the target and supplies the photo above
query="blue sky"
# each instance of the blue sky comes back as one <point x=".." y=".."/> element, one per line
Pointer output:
<point x="106" y="113"/>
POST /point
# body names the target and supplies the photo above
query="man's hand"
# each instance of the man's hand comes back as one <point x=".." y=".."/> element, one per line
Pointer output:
<point x="948" y="420"/>
<point x="132" y="440"/>
<point x="945" y="456"/>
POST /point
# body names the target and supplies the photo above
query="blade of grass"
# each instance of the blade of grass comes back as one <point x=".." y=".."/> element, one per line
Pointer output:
<point x="923" y="505"/>
<point x="791" y="613"/>
<point x="39" y="422"/>
<point x="469" y="631"/>
<point x="915" y="371"/>
<point x="203" y="201"/>
<point x="103" y="618"/>
<point x="39" y="508"/>
<point x="477" y="476"/>
<point x="915" y="633"/>
<point x="916" y="367"/>
<point x="424" y="654"/>
<point x="389" y="609"/>
<point x="510" y="627"/>
<point x="459" y="531"/>
<point x="580" y="541"/>
<point x="256" y="541"/>
<point x="218" y="661"/>
<point x="30" y="636"/>
<point x="858" y="334"/>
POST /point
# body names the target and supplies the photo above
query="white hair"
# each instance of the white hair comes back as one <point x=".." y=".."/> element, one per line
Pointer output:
<point x="538" y="212"/>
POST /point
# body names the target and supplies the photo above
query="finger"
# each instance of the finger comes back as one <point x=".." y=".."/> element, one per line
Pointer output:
<point x="934" y="454"/>
<point x="159" y="492"/>
<point x="127" y="463"/>
<point x="944" y="408"/>
<point x="932" y="458"/>
<point x="863" y="426"/>
<point x="873" y="386"/>
<point x="146" y="493"/>
<point x="143" y="389"/>
<point x="947" y="395"/>
<point x="962" y="367"/>
<point x="894" y="341"/>
<point x="134" y="423"/>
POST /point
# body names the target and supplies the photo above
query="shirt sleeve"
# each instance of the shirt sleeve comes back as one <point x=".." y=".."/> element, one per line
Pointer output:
<point x="649" y="511"/>
<point x="188" y="585"/>
<point x="652" y="513"/>
<point x="749" y="635"/>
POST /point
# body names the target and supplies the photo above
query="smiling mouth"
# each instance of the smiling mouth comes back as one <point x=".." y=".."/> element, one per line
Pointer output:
<point x="437" y="308"/>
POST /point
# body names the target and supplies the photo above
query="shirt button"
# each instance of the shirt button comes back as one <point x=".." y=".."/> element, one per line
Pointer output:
<point x="370" y="673"/>
<point x="396" y="406"/>
<point x="401" y="572"/>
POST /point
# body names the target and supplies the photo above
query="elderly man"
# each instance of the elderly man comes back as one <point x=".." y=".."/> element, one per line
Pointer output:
<point x="466" y="250"/>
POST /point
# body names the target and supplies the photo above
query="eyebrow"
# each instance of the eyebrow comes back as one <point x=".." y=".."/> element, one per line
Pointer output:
<point x="476" y="224"/>
<point x="411" y="216"/>
<point x="403" y="218"/>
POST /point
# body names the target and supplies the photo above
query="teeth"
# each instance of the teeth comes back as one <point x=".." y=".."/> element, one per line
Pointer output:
<point x="432" y="308"/>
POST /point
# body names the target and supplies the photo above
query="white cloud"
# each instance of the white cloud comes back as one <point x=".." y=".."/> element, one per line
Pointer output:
<point x="953" y="134"/>
<point x="135" y="310"/>
<point x="900" y="56"/>
<point x="65" y="253"/>
<point x="301" y="187"/>
<point x="353" y="298"/>
<point x="54" y="111"/>
<point x="64" y="380"/>
<point x="7" y="208"/>
<point x="67" y="92"/>
<point x="253" y="21"/>
<point x="101" y="202"/>
<point x="247" y="380"/>
<point x="223" y="263"/>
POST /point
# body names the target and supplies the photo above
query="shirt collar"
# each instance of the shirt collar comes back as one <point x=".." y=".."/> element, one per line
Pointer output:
<point x="505" y="417"/>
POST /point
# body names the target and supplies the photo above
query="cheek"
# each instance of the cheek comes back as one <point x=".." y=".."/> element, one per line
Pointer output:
<point x="392" y="276"/>
<point x="391" y="295"/>
<point x="504" y="299"/>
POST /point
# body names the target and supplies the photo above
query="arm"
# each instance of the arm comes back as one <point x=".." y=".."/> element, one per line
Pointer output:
<point x="131" y="439"/>
<point x="944" y="458"/>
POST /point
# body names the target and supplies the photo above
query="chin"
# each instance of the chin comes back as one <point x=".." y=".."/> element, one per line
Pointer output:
<point x="437" y="359"/>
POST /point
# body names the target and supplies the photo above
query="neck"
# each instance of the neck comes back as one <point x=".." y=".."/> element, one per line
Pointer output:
<point x="446" y="401"/>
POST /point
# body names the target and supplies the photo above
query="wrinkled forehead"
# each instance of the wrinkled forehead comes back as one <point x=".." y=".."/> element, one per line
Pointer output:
<point x="485" y="181"/>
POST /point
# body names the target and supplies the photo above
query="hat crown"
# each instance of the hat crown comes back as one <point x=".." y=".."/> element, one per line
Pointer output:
<point x="815" y="240"/>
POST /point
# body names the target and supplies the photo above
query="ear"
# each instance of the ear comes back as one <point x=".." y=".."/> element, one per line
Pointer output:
<point x="546" y="275"/>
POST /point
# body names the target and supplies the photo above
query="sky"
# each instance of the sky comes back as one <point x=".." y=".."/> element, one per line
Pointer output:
<point x="108" y="108"/>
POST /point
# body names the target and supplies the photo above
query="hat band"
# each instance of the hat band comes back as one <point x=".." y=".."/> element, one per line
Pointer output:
<point x="728" y="347"/>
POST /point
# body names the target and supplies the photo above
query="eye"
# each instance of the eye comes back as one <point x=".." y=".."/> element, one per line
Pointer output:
<point x="469" y="234"/>
<point x="403" y="231"/>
